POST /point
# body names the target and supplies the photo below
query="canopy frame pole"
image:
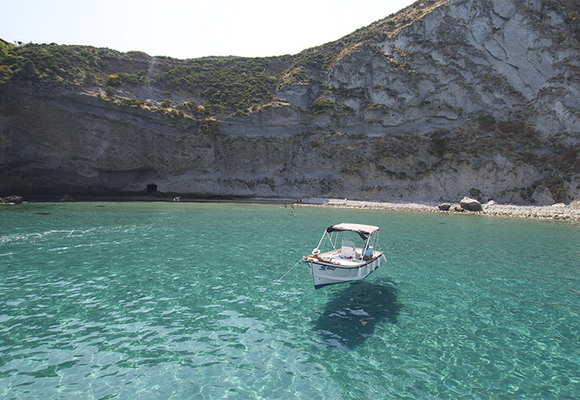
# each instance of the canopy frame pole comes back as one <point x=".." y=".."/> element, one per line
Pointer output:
<point x="333" y="243"/>
<point x="321" y="239"/>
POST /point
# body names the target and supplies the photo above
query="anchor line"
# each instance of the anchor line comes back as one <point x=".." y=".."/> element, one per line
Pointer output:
<point x="287" y="272"/>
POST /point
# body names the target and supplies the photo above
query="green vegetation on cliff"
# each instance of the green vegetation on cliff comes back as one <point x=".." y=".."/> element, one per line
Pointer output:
<point x="225" y="83"/>
<point x="8" y="61"/>
<point x="58" y="64"/>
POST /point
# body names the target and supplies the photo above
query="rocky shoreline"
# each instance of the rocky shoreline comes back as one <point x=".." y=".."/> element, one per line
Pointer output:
<point x="11" y="200"/>
<point x="558" y="211"/>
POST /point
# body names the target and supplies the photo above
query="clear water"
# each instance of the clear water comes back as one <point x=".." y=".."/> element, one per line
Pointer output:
<point x="179" y="301"/>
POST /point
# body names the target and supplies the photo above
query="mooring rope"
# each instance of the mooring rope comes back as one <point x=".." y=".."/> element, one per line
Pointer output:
<point x="287" y="272"/>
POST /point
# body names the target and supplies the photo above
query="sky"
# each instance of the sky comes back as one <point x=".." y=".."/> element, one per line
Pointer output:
<point x="191" y="28"/>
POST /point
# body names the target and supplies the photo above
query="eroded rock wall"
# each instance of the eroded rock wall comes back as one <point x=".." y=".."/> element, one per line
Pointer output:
<point x="403" y="121"/>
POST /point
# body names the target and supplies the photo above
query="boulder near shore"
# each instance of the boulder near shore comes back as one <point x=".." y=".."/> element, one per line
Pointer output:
<point x="10" y="200"/>
<point x="470" y="204"/>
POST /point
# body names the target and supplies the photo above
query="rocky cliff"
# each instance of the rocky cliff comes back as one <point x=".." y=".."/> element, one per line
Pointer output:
<point x="444" y="99"/>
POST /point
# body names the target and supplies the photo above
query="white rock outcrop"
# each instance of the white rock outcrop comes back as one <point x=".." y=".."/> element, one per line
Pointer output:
<point x="502" y="57"/>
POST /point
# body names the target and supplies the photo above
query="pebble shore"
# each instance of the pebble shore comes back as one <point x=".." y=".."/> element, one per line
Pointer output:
<point x="558" y="211"/>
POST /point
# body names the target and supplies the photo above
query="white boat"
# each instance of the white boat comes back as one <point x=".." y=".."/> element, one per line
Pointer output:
<point x="346" y="252"/>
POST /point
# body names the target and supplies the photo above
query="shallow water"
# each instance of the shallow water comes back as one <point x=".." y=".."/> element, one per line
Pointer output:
<point x="178" y="300"/>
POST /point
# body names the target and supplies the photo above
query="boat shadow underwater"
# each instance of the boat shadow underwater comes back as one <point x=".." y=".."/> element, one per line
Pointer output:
<point x="352" y="316"/>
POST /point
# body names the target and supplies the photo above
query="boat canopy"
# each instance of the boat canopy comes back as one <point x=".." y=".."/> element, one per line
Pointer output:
<point x="363" y="230"/>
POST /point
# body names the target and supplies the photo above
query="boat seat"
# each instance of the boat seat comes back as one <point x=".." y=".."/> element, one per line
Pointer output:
<point x="347" y="249"/>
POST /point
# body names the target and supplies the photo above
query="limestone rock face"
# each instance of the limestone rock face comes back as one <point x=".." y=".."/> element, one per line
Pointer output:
<point x="299" y="95"/>
<point x="468" y="57"/>
<point x="477" y="98"/>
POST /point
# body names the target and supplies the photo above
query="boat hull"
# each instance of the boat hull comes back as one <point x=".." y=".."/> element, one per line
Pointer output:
<point x="326" y="273"/>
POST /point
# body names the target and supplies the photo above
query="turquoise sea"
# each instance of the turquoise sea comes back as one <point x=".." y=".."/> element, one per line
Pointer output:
<point x="180" y="301"/>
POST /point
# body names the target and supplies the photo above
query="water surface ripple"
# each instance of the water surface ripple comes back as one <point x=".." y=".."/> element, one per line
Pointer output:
<point x="178" y="300"/>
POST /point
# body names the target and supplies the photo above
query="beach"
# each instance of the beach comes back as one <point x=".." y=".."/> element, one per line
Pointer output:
<point x="559" y="211"/>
